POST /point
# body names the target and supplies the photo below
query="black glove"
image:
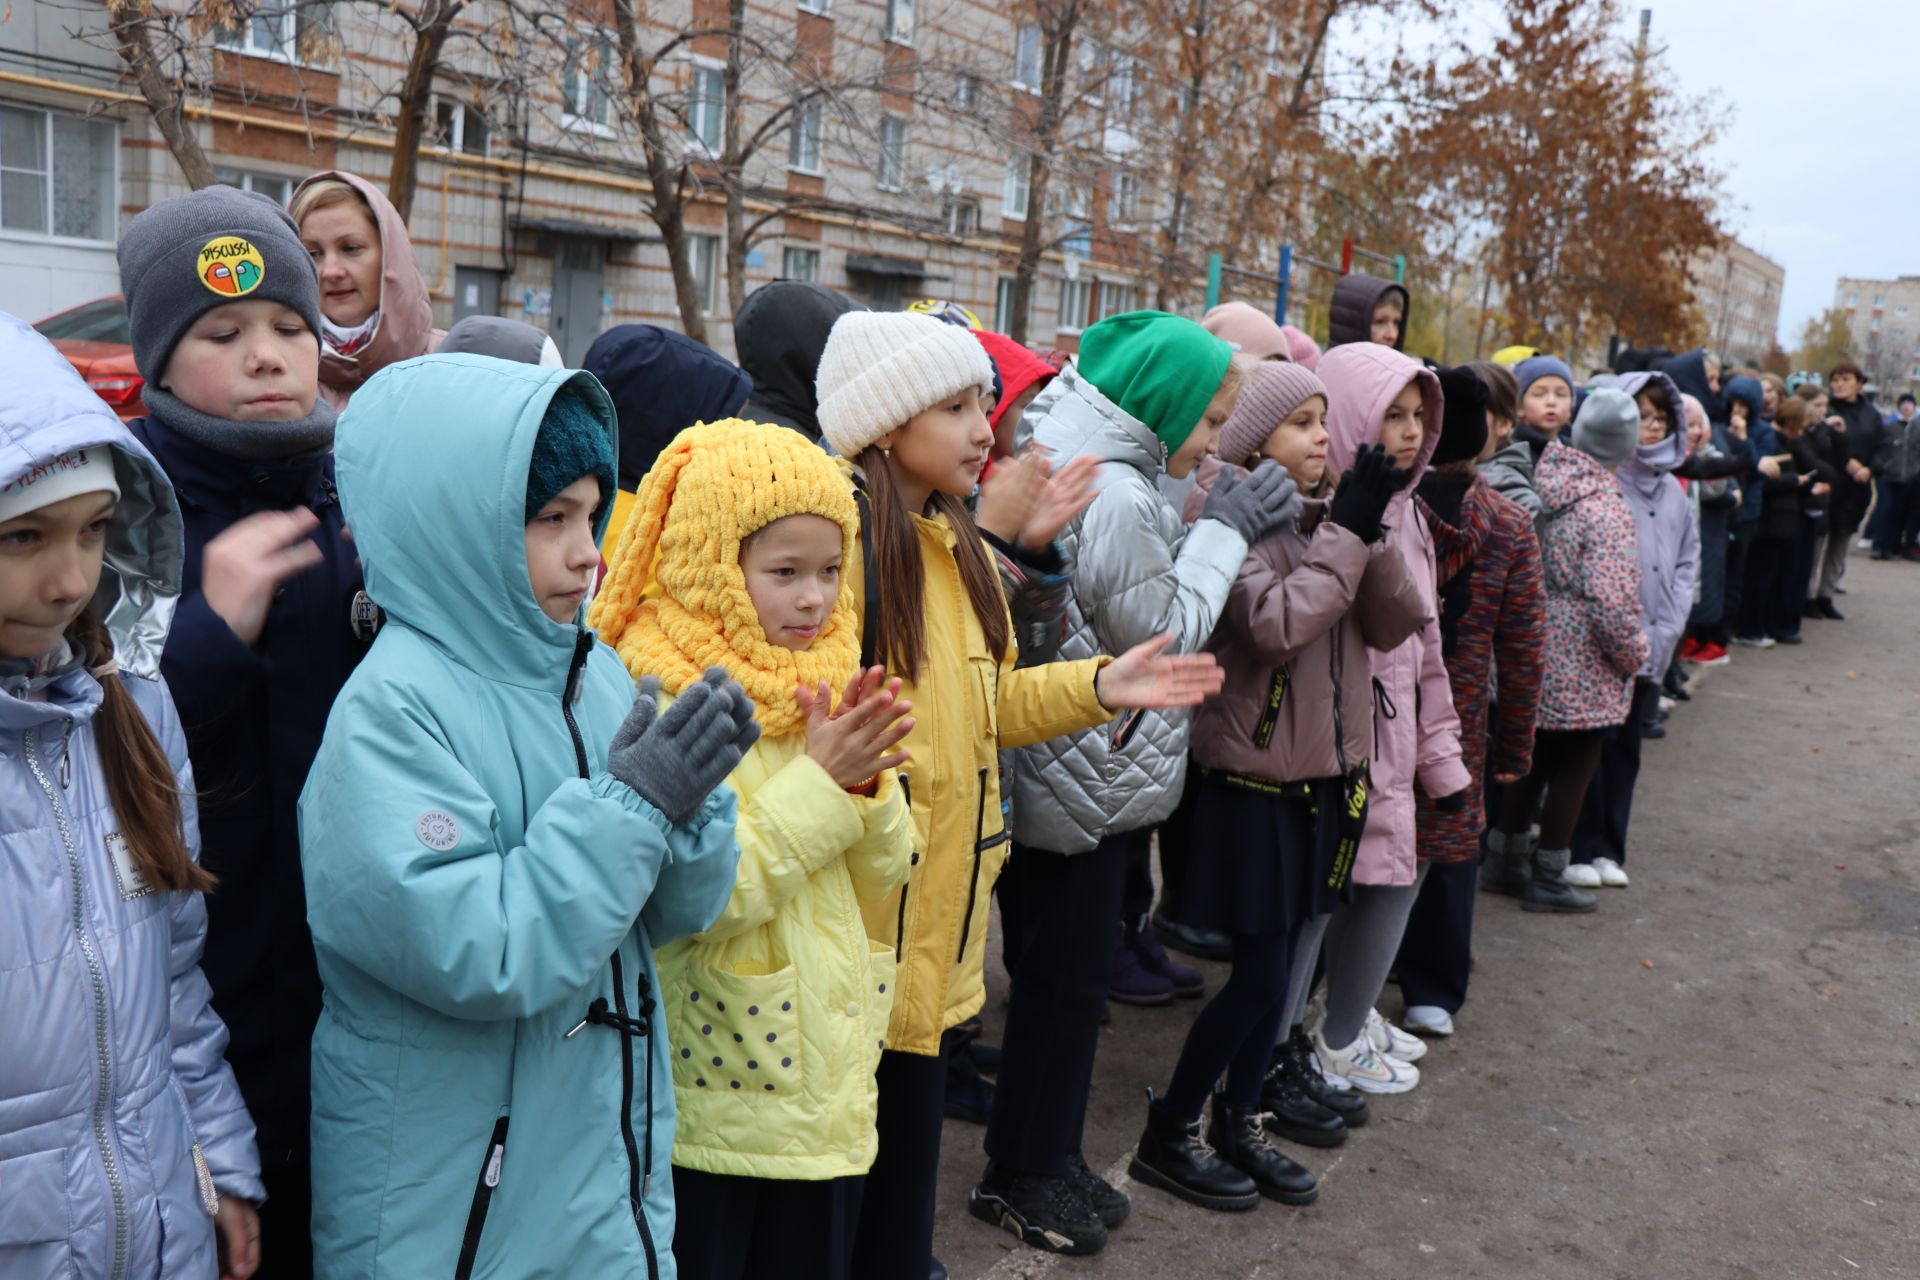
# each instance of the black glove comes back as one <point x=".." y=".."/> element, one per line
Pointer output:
<point x="1365" y="490"/>
<point x="1455" y="803"/>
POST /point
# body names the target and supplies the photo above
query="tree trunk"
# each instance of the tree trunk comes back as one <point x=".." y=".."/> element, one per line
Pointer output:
<point x="134" y="41"/>
<point x="668" y="207"/>
<point x="430" y="37"/>
<point x="732" y="162"/>
<point x="1046" y="137"/>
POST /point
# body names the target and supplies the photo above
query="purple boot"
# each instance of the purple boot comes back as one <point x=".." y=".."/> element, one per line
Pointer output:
<point x="1188" y="983"/>
<point x="1131" y="981"/>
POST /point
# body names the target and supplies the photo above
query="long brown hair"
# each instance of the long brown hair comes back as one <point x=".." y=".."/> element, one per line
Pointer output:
<point x="900" y="617"/>
<point x="141" y="784"/>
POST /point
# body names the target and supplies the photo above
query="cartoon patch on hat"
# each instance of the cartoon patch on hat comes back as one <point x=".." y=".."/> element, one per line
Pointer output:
<point x="230" y="265"/>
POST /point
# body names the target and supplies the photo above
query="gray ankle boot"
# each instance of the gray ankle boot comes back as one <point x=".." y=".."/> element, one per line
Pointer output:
<point x="1504" y="869"/>
<point x="1548" y="890"/>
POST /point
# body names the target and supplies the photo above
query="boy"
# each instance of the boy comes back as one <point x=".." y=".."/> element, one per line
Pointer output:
<point x="224" y="309"/>
<point x="492" y="853"/>
<point x="1367" y="309"/>
<point x="1545" y="384"/>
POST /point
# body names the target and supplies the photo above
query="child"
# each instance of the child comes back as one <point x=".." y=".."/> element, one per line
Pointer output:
<point x="1366" y="309"/>
<point x="1669" y="550"/>
<point x="1487" y="571"/>
<point x="1279" y="790"/>
<point x="1147" y="393"/>
<point x="1383" y="397"/>
<point x="779" y="336"/>
<point x="496" y="835"/>
<point x="1770" y="609"/>
<point x="1715" y="474"/>
<point x="1507" y="465"/>
<point x="375" y="308"/>
<point x="900" y="396"/>
<point x="147" y="1171"/>
<point x="740" y="542"/>
<point x="1545" y="386"/>
<point x="1252" y="331"/>
<point x="1023" y="375"/>
<point x="1595" y="644"/>
<point x="270" y="621"/>
<point x="661" y="382"/>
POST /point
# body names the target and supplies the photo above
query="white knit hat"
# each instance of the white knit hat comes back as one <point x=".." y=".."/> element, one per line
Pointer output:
<point x="881" y="368"/>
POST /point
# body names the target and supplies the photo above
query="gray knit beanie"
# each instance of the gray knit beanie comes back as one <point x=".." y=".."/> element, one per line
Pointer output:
<point x="1607" y="428"/>
<point x="189" y="254"/>
<point x="1273" y="391"/>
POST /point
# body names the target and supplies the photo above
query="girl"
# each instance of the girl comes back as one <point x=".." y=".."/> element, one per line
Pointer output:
<point x="125" y="1149"/>
<point x="1508" y="464"/>
<point x="741" y="535"/>
<point x="1669" y="551"/>
<point x="1380" y="396"/>
<point x="1545" y="385"/>
<point x="1280" y="793"/>
<point x="1771" y="608"/>
<point x="1146" y="394"/>
<point x="1595" y="645"/>
<point x="374" y="305"/>
<point x="900" y="395"/>
<point x="1487" y="564"/>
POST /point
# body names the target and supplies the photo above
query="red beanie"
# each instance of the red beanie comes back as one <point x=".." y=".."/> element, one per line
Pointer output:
<point x="1019" y="369"/>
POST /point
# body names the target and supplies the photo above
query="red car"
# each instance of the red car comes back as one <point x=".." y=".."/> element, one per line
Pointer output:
<point x="96" y="337"/>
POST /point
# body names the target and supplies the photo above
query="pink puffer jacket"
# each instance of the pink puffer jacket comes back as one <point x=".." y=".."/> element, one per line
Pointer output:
<point x="1416" y="734"/>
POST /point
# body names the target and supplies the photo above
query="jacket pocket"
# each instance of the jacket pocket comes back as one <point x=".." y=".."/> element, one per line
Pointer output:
<point x="483" y="1188"/>
<point x="913" y="863"/>
<point x="982" y="845"/>
<point x="737" y="1032"/>
<point x="986" y="674"/>
<point x="36" y="1214"/>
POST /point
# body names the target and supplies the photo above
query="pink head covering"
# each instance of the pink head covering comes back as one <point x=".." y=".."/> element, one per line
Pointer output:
<point x="1248" y="328"/>
<point x="1303" y="349"/>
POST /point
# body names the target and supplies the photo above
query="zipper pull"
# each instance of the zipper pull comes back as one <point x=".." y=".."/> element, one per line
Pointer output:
<point x="492" y="1176"/>
<point x="66" y="756"/>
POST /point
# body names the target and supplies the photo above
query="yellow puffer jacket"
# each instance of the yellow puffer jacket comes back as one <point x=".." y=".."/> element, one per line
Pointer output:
<point x="777" y="1012"/>
<point x="966" y="707"/>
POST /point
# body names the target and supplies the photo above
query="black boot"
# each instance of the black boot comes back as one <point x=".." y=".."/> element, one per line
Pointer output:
<point x="1240" y="1138"/>
<point x="1548" y="889"/>
<point x="1175" y="1158"/>
<point x="1294" y="1115"/>
<point x="1823" y="608"/>
<point x="1047" y="1213"/>
<point x="1105" y="1199"/>
<point x="1295" y="1059"/>
<point x="1504" y="868"/>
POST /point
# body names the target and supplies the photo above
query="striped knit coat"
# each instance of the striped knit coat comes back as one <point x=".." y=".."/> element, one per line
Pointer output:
<point x="1492" y="628"/>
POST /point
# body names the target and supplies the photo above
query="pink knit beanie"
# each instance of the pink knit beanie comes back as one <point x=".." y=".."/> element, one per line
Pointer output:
<point x="1251" y="330"/>
<point x="1303" y="349"/>
<point x="1274" y="390"/>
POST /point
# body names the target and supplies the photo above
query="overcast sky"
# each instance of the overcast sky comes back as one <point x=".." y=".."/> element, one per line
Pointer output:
<point x="1822" y="148"/>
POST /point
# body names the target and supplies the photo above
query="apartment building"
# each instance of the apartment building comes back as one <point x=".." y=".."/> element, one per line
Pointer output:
<point x="1737" y="289"/>
<point x="901" y="178"/>
<point x="1883" y="320"/>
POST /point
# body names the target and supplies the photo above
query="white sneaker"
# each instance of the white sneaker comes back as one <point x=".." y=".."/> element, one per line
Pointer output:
<point x="1392" y="1041"/>
<point x="1358" y="1067"/>
<point x="1865" y="544"/>
<point x="1612" y="874"/>
<point x="1428" y="1020"/>
<point x="1581" y="876"/>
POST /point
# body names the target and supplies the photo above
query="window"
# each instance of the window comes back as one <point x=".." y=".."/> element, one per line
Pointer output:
<point x="803" y="137"/>
<point x="103" y="320"/>
<point x="457" y="127"/>
<point x="966" y="93"/>
<point x="270" y="32"/>
<point x="1126" y="199"/>
<point x="1879" y="299"/>
<point x="1853" y="299"/>
<point x="821" y="7"/>
<point x="703" y="255"/>
<point x="1013" y="196"/>
<point x="706" y="104"/>
<point x="1074" y="298"/>
<point x="586" y="105"/>
<point x="1123" y="87"/>
<point x="1117" y="299"/>
<point x="963" y="217"/>
<point x="892" y="174"/>
<point x="1003" y="303"/>
<point x="271" y="185"/>
<point x="900" y="21"/>
<point x="1026" y="58"/>
<point x="1079" y="238"/>
<point x="800" y="264"/>
<point x="57" y="174"/>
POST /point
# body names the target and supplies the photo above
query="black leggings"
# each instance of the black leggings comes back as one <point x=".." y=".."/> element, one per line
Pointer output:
<point x="1563" y="765"/>
<point x="1235" y="1033"/>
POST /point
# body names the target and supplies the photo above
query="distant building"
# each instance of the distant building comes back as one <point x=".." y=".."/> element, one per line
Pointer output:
<point x="1737" y="289"/>
<point x="1883" y="318"/>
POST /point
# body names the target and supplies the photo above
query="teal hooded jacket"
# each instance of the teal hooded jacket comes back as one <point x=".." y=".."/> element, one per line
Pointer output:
<point x="489" y="1098"/>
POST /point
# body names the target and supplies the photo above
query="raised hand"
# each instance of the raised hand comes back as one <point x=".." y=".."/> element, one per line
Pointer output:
<point x="857" y="739"/>
<point x="1145" y="677"/>
<point x="245" y="565"/>
<point x="1365" y="491"/>
<point x="1065" y="495"/>
<point x="674" y="760"/>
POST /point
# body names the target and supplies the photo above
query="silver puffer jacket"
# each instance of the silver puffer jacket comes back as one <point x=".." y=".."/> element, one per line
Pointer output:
<point x="119" y="1119"/>
<point x="1138" y="571"/>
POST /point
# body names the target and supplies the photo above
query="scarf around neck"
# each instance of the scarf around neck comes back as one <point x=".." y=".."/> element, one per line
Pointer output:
<point x="351" y="340"/>
<point x="246" y="441"/>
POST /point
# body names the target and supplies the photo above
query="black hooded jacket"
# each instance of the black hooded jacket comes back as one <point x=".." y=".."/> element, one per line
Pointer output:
<point x="1689" y="373"/>
<point x="1862" y="439"/>
<point x="779" y="336"/>
<point x="1350" y="318"/>
<point x="661" y="382"/>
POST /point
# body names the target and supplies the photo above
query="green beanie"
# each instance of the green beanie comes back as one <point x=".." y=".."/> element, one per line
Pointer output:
<point x="574" y="442"/>
<point x="1159" y="368"/>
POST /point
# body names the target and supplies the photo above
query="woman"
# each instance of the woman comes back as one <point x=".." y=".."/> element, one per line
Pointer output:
<point x="374" y="303"/>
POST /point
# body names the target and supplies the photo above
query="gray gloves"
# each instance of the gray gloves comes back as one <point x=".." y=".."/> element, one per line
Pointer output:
<point x="673" y="761"/>
<point x="1257" y="507"/>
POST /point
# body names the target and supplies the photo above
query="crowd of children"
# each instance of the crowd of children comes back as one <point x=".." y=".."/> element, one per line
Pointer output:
<point x="470" y="814"/>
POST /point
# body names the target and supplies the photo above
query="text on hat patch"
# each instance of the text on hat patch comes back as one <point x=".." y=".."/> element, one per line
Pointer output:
<point x="230" y="265"/>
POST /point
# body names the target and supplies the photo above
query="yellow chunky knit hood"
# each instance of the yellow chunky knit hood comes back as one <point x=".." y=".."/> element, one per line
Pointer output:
<point x="675" y="600"/>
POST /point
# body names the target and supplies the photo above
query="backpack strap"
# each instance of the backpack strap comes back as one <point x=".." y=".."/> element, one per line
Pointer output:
<point x="868" y="631"/>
